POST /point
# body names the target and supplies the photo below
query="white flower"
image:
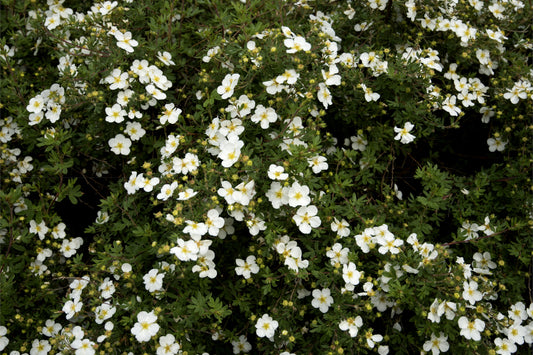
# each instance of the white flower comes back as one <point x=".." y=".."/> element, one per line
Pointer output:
<point x="255" y="224"/>
<point x="185" y="250"/>
<point x="264" y="115"/>
<point x="50" y="329"/>
<point x="496" y="144"/>
<point x="118" y="80"/>
<point x="298" y="195"/>
<point x="318" y="163"/>
<point x="146" y="183"/>
<point x="471" y="293"/>
<point x="125" y="41"/>
<point x="230" y="194"/>
<point x="241" y="345"/>
<point x="289" y="76"/>
<point x="322" y="299"/>
<point x="165" y="58"/>
<point x="483" y="261"/>
<point x="324" y="95"/>
<point x="70" y="246"/>
<point x="448" y="308"/>
<point x="331" y="76"/>
<point x="296" y="44"/>
<point x="170" y="114"/>
<point x="244" y="106"/>
<point x="403" y="134"/>
<point x="449" y="105"/>
<point x="187" y="194"/>
<point x="274" y="86"/>
<point x="471" y="329"/>
<point x="146" y="326"/>
<point x="168" y="345"/>
<point x="388" y="243"/>
<point x="350" y="274"/>
<point x="52" y="21"/>
<point x="134" y="130"/>
<point x="210" y="54"/>
<point x="230" y="150"/>
<point x="40" y="347"/>
<point x="497" y="10"/>
<point x="53" y="113"/>
<point x="104" y="312"/>
<point x="3" y="339"/>
<point x="266" y="326"/>
<point x="306" y="218"/>
<point x="71" y="307"/>
<point x="58" y="232"/>
<point x="78" y="285"/>
<point x="214" y="222"/>
<point x="435" y="311"/>
<point x="365" y="239"/>
<point x="516" y="333"/>
<point x="83" y="347"/>
<point x="340" y="227"/>
<point x="358" y="143"/>
<point x="120" y="144"/>
<point x="167" y="190"/>
<point x="437" y="344"/>
<point x="246" y="268"/>
<point x="225" y="90"/>
<point x="369" y="94"/>
<point x="276" y="172"/>
<point x="155" y="92"/>
<point x="372" y="338"/>
<point x="107" y="288"/>
<point x="518" y="312"/>
<point x="277" y="195"/>
<point x="153" y="280"/>
<point x="351" y="325"/>
<point x="195" y="228"/>
<point x="504" y="346"/>
<point x="338" y="254"/>
<point x="36" y="104"/>
<point x="233" y="126"/>
<point x="40" y="229"/>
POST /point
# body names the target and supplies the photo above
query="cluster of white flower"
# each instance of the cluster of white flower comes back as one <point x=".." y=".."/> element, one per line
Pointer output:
<point x="286" y="188"/>
<point x="521" y="89"/>
<point x="428" y="57"/>
<point x="470" y="230"/>
<point x="155" y="84"/>
<point x="291" y="253"/>
<point x="381" y="235"/>
<point x="67" y="249"/>
<point x="46" y="104"/>
<point x="9" y="130"/>
<point x="373" y="62"/>
<point x="224" y="140"/>
<point x="276" y="85"/>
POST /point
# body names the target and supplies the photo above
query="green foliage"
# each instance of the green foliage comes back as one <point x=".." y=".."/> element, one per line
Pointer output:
<point x="265" y="176"/>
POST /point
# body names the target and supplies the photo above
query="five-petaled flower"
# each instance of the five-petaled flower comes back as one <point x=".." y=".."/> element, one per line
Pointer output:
<point x="266" y="326"/>
<point x="403" y="134"/>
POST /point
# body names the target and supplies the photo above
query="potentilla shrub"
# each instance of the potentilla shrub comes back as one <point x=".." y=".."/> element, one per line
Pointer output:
<point x="268" y="177"/>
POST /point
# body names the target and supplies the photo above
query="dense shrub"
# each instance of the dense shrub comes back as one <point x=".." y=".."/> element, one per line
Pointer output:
<point x="276" y="177"/>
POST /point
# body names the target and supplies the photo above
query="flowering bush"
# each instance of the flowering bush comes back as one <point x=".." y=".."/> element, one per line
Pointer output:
<point x="277" y="177"/>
